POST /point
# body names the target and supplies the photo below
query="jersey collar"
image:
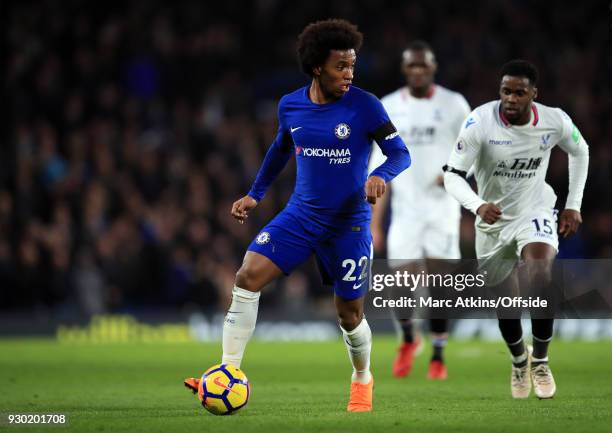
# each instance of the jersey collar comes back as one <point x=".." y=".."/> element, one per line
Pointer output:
<point x="534" y="110"/>
<point x="430" y="92"/>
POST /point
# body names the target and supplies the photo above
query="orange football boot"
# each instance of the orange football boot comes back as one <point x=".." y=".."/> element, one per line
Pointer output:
<point x="361" y="397"/>
<point x="192" y="384"/>
<point x="405" y="355"/>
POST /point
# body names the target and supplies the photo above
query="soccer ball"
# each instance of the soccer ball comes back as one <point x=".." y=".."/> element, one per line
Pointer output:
<point x="224" y="389"/>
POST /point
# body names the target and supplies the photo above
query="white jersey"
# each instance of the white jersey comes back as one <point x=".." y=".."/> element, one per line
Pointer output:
<point x="510" y="161"/>
<point x="429" y="126"/>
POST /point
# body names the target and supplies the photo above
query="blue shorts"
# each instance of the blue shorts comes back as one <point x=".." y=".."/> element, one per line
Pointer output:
<point x="343" y="254"/>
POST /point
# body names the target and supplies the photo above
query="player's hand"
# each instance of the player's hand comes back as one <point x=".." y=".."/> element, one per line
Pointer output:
<point x="489" y="213"/>
<point x="569" y="221"/>
<point x="375" y="187"/>
<point x="241" y="208"/>
<point x="440" y="181"/>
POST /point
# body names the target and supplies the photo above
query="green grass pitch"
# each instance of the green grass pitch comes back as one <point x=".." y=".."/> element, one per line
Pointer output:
<point x="298" y="387"/>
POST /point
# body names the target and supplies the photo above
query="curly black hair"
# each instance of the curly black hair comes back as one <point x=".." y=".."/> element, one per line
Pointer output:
<point x="317" y="39"/>
<point x="520" y="68"/>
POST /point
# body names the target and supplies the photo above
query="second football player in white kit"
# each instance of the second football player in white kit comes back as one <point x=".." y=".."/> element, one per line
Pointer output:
<point x="508" y="143"/>
<point x="424" y="217"/>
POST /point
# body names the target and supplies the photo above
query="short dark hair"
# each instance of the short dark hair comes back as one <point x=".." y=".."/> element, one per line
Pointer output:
<point x="520" y="68"/>
<point x="418" y="45"/>
<point x="317" y="39"/>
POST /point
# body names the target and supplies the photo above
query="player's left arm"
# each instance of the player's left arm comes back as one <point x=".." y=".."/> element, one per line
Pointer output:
<point x="393" y="147"/>
<point x="577" y="150"/>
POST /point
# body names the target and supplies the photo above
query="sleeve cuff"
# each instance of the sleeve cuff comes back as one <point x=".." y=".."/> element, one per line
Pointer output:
<point x="573" y="206"/>
<point x="254" y="196"/>
<point x="475" y="206"/>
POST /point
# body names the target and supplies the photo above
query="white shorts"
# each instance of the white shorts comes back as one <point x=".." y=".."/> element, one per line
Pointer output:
<point x="499" y="252"/>
<point x="417" y="239"/>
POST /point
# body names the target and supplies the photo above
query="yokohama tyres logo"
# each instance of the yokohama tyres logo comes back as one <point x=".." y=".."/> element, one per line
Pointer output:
<point x="336" y="156"/>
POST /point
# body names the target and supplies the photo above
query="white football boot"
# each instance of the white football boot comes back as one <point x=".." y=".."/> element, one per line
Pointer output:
<point x="520" y="382"/>
<point x="543" y="381"/>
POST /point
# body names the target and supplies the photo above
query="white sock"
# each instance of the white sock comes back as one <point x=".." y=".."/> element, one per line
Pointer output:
<point x="239" y="325"/>
<point x="519" y="359"/>
<point x="545" y="359"/>
<point x="359" y="345"/>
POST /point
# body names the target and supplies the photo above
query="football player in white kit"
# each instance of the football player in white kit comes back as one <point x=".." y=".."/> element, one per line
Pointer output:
<point x="424" y="218"/>
<point x="508" y="142"/>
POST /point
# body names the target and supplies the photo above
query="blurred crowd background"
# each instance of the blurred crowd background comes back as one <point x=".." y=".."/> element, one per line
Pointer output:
<point x="132" y="126"/>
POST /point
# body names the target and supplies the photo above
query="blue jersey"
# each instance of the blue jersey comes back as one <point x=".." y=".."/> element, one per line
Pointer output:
<point x="332" y="144"/>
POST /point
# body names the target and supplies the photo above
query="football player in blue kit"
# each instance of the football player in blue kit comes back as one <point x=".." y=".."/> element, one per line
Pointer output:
<point x="329" y="126"/>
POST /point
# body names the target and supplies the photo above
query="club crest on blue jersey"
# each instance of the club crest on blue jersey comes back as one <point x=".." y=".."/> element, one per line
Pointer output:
<point x="342" y="131"/>
<point x="263" y="238"/>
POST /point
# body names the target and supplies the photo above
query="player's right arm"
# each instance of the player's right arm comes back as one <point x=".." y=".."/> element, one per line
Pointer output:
<point x="241" y="208"/>
<point x="464" y="153"/>
<point x="275" y="160"/>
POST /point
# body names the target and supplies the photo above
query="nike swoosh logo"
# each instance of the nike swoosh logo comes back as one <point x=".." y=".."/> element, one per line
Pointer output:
<point x="356" y="286"/>
<point x="218" y="382"/>
<point x="295" y="129"/>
